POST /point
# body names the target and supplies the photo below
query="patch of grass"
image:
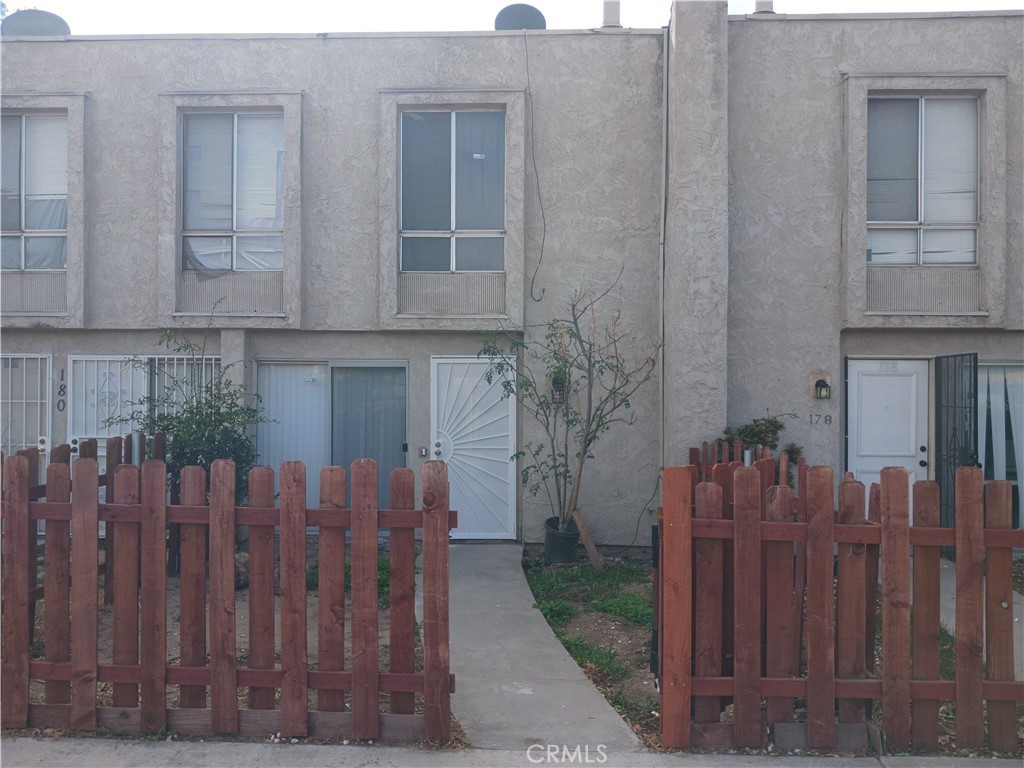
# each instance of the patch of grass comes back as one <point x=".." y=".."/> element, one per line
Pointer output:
<point x="642" y="715"/>
<point x="383" y="579"/>
<point x="599" y="662"/>
<point x="557" y="612"/>
<point x="581" y="583"/>
<point x="947" y="654"/>
<point x="629" y="606"/>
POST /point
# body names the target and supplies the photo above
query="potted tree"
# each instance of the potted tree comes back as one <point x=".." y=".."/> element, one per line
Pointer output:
<point x="575" y="379"/>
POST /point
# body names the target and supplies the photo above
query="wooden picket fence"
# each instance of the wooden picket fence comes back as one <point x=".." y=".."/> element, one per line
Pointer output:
<point x="785" y="631"/>
<point x="210" y="678"/>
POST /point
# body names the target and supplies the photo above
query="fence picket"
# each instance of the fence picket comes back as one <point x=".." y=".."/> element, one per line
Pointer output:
<point x="154" y="597"/>
<point x="723" y="475"/>
<point x="708" y="603"/>
<point x="747" y="731"/>
<point x="436" y="663"/>
<point x="84" y="602"/>
<point x="261" y="587"/>
<point x="14" y="677"/>
<point x="114" y="448"/>
<point x="126" y="585"/>
<point x="192" y="586"/>
<point x="401" y="635"/>
<point x="223" y="676"/>
<point x="365" y="716"/>
<point x="57" y="579"/>
<point x="851" y="609"/>
<point x="895" y="600"/>
<point x="821" y="724"/>
<point x="871" y="579"/>
<point x="782" y="646"/>
<point x="1002" y="724"/>
<point x="294" y="655"/>
<point x="925" y="713"/>
<point x="331" y="588"/>
<point x="970" y="606"/>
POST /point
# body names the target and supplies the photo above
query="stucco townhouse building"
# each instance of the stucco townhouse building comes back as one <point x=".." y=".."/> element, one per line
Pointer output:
<point x="816" y="216"/>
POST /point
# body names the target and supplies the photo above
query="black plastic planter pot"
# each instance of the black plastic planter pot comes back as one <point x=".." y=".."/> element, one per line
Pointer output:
<point x="559" y="546"/>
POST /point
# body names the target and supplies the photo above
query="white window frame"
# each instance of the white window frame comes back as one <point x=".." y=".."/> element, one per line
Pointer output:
<point x="234" y="232"/>
<point x="23" y="233"/>
<point x="920" y="225"/>
<point x="453" y="233"/>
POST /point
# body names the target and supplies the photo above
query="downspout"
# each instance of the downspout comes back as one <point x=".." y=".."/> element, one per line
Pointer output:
<point x="661" y="243"/>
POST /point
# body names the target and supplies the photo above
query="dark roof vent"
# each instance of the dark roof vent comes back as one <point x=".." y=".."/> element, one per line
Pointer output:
<point x="519" y="16"/>
<point x="34" y="23"/>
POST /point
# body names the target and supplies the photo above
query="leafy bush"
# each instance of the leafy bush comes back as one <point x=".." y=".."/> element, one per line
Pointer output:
<point x="764" y="431"/>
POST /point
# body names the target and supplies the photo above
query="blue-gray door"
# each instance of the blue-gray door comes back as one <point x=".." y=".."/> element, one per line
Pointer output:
<point x="368" y="419"/>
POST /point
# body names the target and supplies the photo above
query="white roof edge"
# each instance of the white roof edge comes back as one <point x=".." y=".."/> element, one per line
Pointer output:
<point x="870" y="16"/>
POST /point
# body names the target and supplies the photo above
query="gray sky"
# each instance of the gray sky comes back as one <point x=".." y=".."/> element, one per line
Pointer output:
<point x="122" y="17"/>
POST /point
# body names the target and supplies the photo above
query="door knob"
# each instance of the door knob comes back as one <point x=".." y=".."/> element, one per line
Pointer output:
<point x="922" y="463"/>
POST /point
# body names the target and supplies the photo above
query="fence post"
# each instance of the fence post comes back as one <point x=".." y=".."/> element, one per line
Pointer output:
<point x="851" y="603"/>
<point x="365" y="680"/>
<point x="1002" y="729"/>
<point x="84" y="603"/>
<point x="709" y="602"/>
<point x="970" y="606"/>
<point x="154" y="597"/>
<point x="294" y="657"/>
<point x="436" y="662"/>
<point x="223" y="673"/>
<point x="895" y="599"/>
<point x="747" y="731"/>
<point x="331" y="588"/>
<point x="402" y="651"/>
<point x="14" y="701"/>
<point x="57" y="577"/>
<point x="261" y="586"/>
<point x="924" y="720"/>
<point x="821" y="702"/>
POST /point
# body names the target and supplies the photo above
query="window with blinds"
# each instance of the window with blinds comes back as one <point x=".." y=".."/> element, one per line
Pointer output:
<point x="232" y="206"/>
<point x="34" y="191"/>
<point x="453" y="191"/>
<point x="922" y="181"/>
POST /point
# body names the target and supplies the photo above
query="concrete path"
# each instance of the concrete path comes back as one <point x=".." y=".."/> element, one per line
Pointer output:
<point x="947" y="607"/>
<point x="515" y="684"/>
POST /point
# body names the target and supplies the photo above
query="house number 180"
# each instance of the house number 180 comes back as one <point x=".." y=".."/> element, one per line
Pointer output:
<point x="817" y="419"/>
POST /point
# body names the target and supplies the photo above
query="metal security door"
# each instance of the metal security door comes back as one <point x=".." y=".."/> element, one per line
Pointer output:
<point x="25" y="404"/>
<point x="956" y="426"/>
<point x="473" y="430"/>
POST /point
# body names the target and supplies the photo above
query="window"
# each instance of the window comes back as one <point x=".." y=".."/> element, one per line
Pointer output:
<point x="922" y="181"/>
<point x="34" y="192"/>
<point x="232" y="205"/>
<point x="452" y="191"/>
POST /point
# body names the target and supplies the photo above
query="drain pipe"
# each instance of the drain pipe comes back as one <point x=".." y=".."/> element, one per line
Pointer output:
<point x="666" y="46"/>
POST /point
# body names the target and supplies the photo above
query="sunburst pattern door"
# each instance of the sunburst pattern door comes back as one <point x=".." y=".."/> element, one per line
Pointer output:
<point x="473" y="430"/>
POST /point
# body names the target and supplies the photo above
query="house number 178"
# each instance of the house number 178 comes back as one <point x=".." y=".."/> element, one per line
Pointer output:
<point x="817" y="419"/>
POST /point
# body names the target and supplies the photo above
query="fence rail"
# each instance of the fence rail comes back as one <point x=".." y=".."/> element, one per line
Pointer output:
<point x="211" y="675"/>
<point x="799" y="620"/>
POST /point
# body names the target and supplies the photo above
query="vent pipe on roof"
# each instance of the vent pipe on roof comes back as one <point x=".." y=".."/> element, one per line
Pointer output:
<point x="764" y="6"/>
<point x="611" y="14"/>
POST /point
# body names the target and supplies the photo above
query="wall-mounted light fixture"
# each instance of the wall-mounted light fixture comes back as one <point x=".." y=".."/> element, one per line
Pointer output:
<point x="822" y="389"/>
<point x="558" y="389"/>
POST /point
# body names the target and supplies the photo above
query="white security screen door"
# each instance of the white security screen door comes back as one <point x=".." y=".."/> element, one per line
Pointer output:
<point x="473" y="428"/>
<point x="887" y="418"/>
<point x="25" y="404"/>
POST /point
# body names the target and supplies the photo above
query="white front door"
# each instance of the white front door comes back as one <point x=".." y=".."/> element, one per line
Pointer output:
<point x="473" y="430"/>
<point x="887" y="418"/>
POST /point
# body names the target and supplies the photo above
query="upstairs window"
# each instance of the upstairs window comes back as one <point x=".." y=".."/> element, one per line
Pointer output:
<point x="452" y="191"/>
<point x="232" y="207"/>
<point x="922" y="181"/>
<point x="34" y="170"/>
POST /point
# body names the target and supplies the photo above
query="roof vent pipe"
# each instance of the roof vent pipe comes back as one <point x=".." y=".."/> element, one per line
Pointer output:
<point x="764" y="6"/>
<point x="611" y="14"/>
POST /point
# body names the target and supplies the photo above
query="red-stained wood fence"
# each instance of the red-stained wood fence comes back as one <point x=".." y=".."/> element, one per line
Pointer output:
<point x="210" y="677"/>
<point x="816" y="559"/>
